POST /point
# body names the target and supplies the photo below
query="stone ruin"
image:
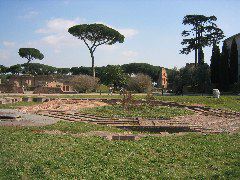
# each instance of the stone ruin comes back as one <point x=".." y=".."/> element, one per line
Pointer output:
<point x="44" y="84"/>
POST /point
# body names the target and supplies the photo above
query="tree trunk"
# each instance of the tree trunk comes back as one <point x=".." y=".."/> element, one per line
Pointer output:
<point x="196" y="57"/>
<point x="200" y="50"/>
<point x="196" y="51"/>
<point x="28" y="69"/>
<point x="93" y="67"/>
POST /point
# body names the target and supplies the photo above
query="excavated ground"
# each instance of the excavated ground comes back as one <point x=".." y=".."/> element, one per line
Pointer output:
<point x="205" y="119"/>
<point x="14" y="117"/>
<point x="66" y="105"/>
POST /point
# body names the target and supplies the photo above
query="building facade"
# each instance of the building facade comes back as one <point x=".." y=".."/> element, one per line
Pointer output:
<point x="229" y="43"/>
<point x="43" y="83"/>
<point x="162" y="82"/>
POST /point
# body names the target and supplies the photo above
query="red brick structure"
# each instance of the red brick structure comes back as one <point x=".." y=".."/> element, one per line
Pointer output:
<point x="163" y="82"/>
<point x="10" y="88"/>
<point x="46" y="84"/>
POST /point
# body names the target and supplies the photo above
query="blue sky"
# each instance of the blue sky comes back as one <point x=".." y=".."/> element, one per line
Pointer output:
<point x="152" y="29"/>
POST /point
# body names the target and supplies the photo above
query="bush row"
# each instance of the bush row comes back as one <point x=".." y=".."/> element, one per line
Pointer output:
<point x="138" y="83"/>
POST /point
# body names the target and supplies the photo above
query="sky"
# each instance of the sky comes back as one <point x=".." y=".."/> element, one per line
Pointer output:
<point x="152" y="29"/>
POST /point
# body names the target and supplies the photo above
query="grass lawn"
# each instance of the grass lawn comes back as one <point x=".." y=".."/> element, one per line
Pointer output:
<point x="26" y="155"/>
<point x="18" y="104"/>
<point x="157" y="112"/>
<point x="224" y="102"/>
<point x="78" y="127"/>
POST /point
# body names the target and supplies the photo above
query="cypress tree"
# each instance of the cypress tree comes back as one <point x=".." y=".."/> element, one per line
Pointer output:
<point x="224" y="68"/>
<point x="215" y="65"/>
<point x="200" y="57"/>
<point x="233" y="62"/>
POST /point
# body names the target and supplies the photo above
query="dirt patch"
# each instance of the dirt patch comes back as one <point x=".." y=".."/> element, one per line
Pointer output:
<point x="205" y="119"/>
<point x="25" y="119"/>
<point x="216" y="123"/>
<point x="63" y="105"/>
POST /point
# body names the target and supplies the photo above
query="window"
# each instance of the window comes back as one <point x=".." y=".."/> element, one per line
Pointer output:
<point x="67" y="88"/>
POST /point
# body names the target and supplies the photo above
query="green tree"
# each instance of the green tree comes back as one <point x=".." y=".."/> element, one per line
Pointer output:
<point x="187" y="76"/>
<point x="48" y="70"/>
<point x="94" y="35"/>
<point x="140" y="83"/>
<point x="114" y="75"/>
<point x="201" y="77"/>
<point x="214" y="67"/>
<point x="201" y="56"/>
<point x="172" y="75"/>
<point x="30" y="54"/>
<point x="224" y="68"/>
<point x="3" y="69"/>
<point x="15" y="69"/>
<point x="233" y="65"/>
<point x="196" y="79"/>
<point x="84" y="83"/>
<point x="142" y="68"/>
<point x="38" y="69"/>
<point x="63" y="71"/>
<point x="204" y="32"/>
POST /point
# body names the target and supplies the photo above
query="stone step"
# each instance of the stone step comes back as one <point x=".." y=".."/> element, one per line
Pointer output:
<point x="111" y="122"/>
<point x="211" y="131"/>
<point x="115" y="125"/>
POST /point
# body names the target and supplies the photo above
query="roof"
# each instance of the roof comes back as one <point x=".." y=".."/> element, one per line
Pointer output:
<point x="232" y="37"/>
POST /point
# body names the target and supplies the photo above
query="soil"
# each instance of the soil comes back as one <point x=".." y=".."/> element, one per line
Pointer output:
<point x="25" y="119"/>
<point x="205" y="119"/>
<point x="209" y="123"/>
<point x="63" y="105"/>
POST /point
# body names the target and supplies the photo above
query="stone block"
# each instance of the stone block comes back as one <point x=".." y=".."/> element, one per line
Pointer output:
<point x="27" y="99"/>
<point x="124" y="137"/>
<point x="2" y="101"/>
<point x="9" y="100"/>
<point x="41" y="99"/>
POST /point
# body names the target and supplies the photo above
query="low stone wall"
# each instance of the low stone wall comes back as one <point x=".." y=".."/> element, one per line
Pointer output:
<point x="8" y="88"/>
<point x="10" y="100"/>
<point x="48" y="90"/>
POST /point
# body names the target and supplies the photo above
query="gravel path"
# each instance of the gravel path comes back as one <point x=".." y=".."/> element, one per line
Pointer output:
<point x="26" y="119"/>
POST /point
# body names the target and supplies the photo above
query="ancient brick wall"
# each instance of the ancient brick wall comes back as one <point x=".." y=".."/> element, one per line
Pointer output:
<point x="24" y="80"/>
<point x="48" y="90"/>
<point x="162" y="81"/>
<point x="35" y="82"/>
<point x="9" y="88"/>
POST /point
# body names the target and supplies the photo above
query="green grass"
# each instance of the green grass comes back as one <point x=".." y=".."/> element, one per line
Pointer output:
<point x="224" y="102"/>
<point x="79" y="127"/>
<point x="145" y="111"/>
<point x="18" y="104"/>
<point x="26" y="155"/>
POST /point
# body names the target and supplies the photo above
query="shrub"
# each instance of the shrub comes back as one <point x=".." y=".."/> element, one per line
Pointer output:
<point x="140" y="83"/>
<point x="85" y="83"/>
<point x="236" y="87"/>
<point x="114" y="75"/>
<point x="103" y="88"/>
